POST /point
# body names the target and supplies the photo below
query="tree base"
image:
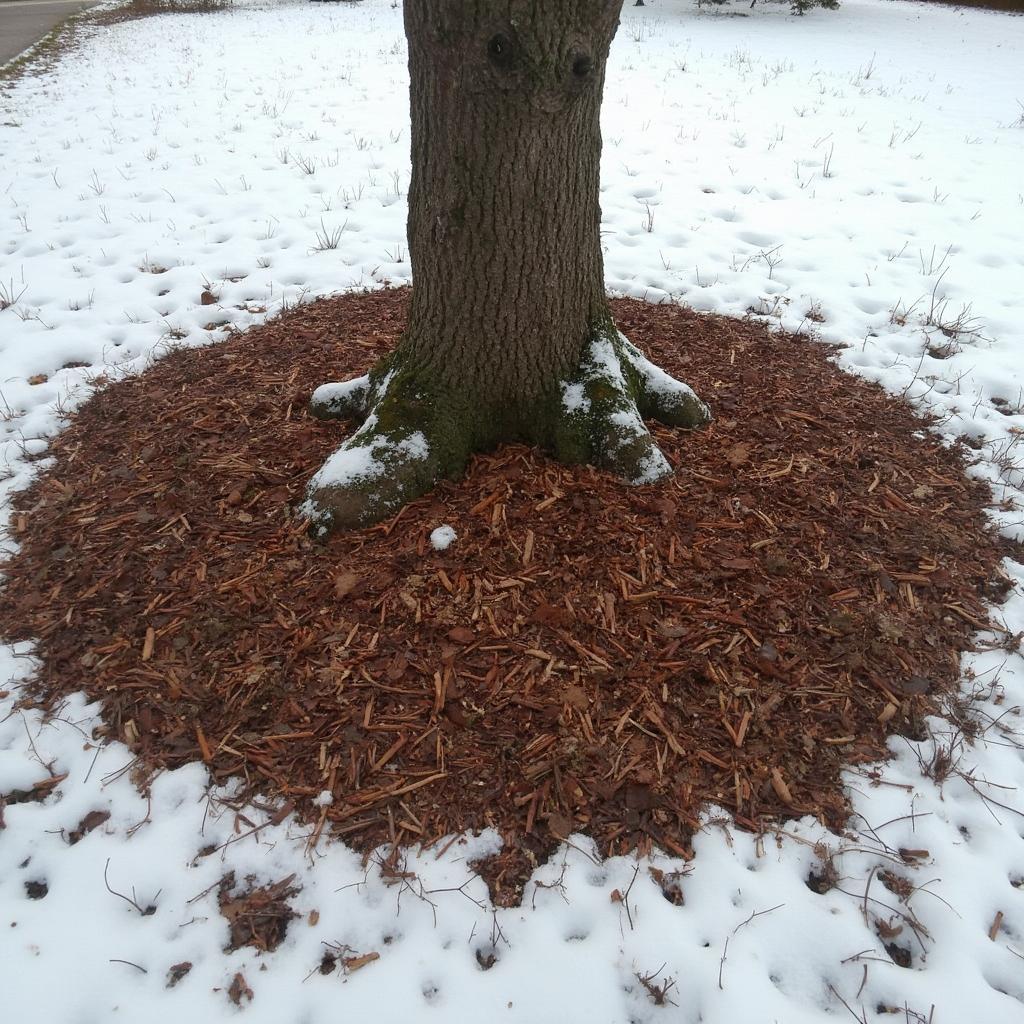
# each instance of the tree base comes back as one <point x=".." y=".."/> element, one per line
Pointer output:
<point x="412" y="436"/>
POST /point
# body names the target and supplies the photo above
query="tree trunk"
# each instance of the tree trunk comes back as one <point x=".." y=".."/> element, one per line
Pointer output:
<point x="509" y="335"/>
<point x="504" y="221"/>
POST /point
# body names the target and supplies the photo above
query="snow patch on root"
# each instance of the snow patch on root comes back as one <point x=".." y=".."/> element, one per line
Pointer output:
<point x="650" y="465"/>
<point x="368" y="475"/>
<point x="668" y="400"/>
<point x="347" y="398"/>
<point x="333" y="400"/>
<point x="386" y="463"/>
<point x="358" y="462"/>
<point x="410" y="438"/>
<point x="606" y="400"/>
<point x="574" y="398"/>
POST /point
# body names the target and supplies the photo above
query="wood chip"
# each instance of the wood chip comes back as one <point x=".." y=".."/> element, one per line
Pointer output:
<point x="780" y="787"/>
<point x="147" y="646"/>
<point x="355" y="963"/>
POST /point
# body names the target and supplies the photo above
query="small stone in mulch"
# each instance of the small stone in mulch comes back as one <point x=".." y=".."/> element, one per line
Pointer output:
<point x="257" y="917"/>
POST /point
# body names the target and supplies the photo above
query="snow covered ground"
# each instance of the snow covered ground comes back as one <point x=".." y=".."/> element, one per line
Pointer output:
<point x="857" y="174"/>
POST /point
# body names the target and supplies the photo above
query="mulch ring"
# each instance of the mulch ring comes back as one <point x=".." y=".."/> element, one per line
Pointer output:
<point x="585" y="657"/>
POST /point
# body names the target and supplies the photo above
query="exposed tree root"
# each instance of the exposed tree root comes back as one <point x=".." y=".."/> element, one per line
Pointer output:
<point x="390" y="460"/>
<point x="604" y="405"/>
<point x="410" y="437"/>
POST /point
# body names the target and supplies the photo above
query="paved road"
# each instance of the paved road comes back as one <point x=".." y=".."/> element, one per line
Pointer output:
<point x="24" y="22"/>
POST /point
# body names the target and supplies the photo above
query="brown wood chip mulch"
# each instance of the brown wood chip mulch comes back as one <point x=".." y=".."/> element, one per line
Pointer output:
<point x="257" y="916"/>
<point x="586" y="657"/>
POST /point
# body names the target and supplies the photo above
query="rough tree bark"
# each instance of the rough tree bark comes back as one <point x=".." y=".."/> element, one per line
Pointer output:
<point x="509" y="335"/>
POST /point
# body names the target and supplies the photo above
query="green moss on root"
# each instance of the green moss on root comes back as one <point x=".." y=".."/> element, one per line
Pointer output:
<point x="413" y="434"/>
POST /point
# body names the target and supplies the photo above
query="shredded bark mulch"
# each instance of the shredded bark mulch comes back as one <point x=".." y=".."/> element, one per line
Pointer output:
<point x="585" y="657"/>
<point x="257" y="916"/>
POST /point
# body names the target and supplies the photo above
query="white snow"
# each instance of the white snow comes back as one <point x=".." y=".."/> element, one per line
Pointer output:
<point x="442" y="538"/>
<point x="601" y="355"/>
<point x="574" y="398"/>
<point x="853" y="173"/>
<point x="653" y="466"/>
<point x="338" y="393"/>
<point x="357" y="462"/>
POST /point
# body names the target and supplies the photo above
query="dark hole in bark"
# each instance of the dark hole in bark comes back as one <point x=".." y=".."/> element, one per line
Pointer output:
<point x="582" y="66"/>
<point x="499" y="49"/>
